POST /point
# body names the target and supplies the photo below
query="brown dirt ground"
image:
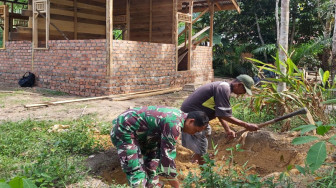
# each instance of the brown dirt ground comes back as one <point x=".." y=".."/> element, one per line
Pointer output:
<point x="266" y="152"/>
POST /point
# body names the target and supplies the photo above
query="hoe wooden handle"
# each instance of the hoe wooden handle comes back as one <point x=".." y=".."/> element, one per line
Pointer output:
<point x="298" y="112"/>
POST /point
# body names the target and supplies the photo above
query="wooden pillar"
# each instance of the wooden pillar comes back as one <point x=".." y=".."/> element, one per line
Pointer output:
<point x="47" y="23"/>
<point x="128" y="20"/>
<point x="35" y="27"/>
<point x="11" y="20"/>
<point x="212" y="7"/>
<point x="75" y="19"/>
<point x="41" y="7"/>
<point x="150" y="19"/>
<point x="30" y="21"/>
<point x="175" y="31"/>
<point x="109" y="36"/>
<point x="191" y="5"/>
<point x="4" y="14"/>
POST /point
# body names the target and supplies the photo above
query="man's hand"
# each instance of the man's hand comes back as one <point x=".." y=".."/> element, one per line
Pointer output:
<point x="231" y="134"/>
<point x="174" y="183"/>
<point x="252" y="127"/>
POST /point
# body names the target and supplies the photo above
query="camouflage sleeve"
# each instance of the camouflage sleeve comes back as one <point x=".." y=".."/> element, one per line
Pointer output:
<point x="170" y="132"/>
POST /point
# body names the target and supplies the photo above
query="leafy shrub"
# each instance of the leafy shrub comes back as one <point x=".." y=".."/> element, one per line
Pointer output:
<point x="78" y="140"/>
<point x="317" y="153"/>
<point x="300" y="92"/>
<point x="17" y="182"/>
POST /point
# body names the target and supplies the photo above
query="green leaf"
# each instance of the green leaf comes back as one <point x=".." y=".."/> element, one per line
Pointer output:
<point x="308" y="128"/>
<point x="332" y="141"/>
<point x="316" y="155"/>
<point x="27" y="183"/>
<point x="272" y="70"/>
<point x="326" y="76"/>
<point x="217" y="39"/>
<point x="304" y="139"/>
<point x="302" y="127"/>
<point x="300" y="169"/>
<point x="322" y="130"/>
<point x="16" y="182"/>
<point x="331" y="101"/>
<point x="277" y="61"/>
<point x="290" y="66"/>
<point x="260" y="62"/>
<point x="4" y="185"/>
<point x="289" y="167"/>
<point x="321" y="73"/>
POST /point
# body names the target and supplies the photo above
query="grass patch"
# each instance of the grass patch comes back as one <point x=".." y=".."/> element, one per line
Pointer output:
<point x="50" y="159"/>
<point x="49" y="92"/>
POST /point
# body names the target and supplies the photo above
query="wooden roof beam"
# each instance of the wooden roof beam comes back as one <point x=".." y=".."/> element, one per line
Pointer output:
<point x="219" y="7"/>
<point x="236" y="6"/>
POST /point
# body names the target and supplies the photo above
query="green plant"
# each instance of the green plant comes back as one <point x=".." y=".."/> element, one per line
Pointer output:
<point x="50" y="159"/>
<point x="210" y="177"/>
<point x="18" y="182"/>
<point x="317" y="153"/>
<point x="300" y="93"/>
<point x="327" y="179"/>
<point x="105" y="128"/>
<point x="305" y="54"/>
<point x="73" y="142"/>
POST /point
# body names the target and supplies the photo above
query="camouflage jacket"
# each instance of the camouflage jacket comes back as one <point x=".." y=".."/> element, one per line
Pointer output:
<point x="156" y="130"/>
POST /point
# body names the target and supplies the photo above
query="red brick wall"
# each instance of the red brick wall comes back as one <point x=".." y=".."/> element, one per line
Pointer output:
<point x="140" y="66"/>
<point x="79" y="66"/>
<point x="15" y="60"/>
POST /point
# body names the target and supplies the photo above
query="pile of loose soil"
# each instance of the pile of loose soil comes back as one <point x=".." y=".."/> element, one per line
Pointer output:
<point x="265" y="153"/>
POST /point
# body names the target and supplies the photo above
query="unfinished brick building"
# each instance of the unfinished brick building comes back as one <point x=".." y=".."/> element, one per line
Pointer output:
<point x="102" y="47"/>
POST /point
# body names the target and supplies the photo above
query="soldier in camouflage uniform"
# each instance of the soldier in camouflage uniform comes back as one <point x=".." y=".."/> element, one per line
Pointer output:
<point x="145" y="139"/>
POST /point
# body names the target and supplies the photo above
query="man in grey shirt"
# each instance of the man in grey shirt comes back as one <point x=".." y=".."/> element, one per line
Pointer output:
<point x="214" y="100"/>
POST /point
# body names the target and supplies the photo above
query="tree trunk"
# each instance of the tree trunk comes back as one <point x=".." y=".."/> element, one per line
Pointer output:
<point x="260" y="37"/>
<point x="326" y="52"/>
<point x="333" y="61"/>
<point x="277" y="22"/>
<point x="291" y="40"/>
<point x="283" y="39"/>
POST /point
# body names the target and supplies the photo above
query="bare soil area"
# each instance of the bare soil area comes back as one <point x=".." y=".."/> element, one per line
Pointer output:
<point x="266" y="152"/>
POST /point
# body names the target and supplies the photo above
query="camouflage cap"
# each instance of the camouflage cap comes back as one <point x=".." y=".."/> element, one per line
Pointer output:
<point x="247" y="81"/>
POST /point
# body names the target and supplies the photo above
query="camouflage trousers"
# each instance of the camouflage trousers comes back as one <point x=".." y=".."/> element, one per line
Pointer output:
<point x="141" y="170"/>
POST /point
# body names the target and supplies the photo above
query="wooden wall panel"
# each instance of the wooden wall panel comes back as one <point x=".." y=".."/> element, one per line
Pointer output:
<point x="145" y="26"/>
<point x="160" y="22"/>
<point x="139" y="20"/>
<point x="91" y="19"/>
<point x="119" y="7"/>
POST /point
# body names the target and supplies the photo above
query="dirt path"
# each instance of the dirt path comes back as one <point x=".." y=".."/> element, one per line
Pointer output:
<point x="266" y="152"/>
<point x="12" y="101"/>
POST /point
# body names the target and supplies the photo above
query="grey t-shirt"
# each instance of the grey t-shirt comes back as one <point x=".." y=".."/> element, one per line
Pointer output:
<point x="212" y="98"/>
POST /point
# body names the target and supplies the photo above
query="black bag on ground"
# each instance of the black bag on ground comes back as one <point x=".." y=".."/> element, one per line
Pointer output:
<point x="27" y="80"/>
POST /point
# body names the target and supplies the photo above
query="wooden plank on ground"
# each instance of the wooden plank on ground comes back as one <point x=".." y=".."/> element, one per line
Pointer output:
<point x="120" y="97"/>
